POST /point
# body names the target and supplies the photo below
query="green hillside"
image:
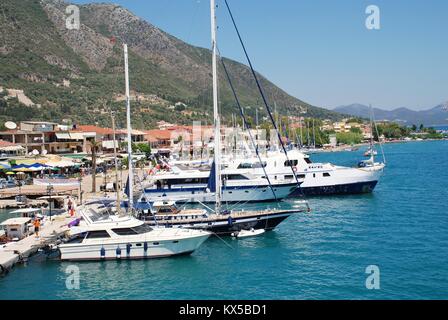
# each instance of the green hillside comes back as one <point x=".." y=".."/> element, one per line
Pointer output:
<point x="77" y="75"/>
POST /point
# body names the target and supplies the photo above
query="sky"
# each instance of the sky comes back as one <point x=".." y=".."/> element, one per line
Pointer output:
<point x="320" y="51"/>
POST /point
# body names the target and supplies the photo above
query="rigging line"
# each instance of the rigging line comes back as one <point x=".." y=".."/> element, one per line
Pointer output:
<point x="261" y="91"/>
<point x="215" y="234"/>
<point x="246" y="124"/>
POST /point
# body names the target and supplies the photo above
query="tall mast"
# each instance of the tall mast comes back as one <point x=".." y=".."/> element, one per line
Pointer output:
<point x="217" y="126"/>
<point x="372" y="157"/>
<point x="128" y="121"/>
<point x="117" y="183"/>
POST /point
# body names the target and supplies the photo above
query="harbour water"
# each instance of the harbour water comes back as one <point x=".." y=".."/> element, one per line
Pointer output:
<point x="402" y="227"/>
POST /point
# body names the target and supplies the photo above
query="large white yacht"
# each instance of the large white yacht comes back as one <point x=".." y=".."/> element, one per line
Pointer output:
<point x="195" y="185"/>
<point x="101" y="234"/>
<point x="318" y="178"/>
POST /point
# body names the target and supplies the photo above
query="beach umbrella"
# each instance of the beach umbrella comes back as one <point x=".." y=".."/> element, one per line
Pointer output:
<point x="10" y="173"/>
<point x="4" y="166"/>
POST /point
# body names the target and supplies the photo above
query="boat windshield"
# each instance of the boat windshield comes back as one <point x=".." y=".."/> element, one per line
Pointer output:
<point x="98" y="216"/>
<point x="143" y="228"/>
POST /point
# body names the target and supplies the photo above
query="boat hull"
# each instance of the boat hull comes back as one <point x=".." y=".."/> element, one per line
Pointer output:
<point x="130" y="250"/>
<point x="349" y="188"/>
<point x="224" y="226"/>
<point x="229" y="195"/>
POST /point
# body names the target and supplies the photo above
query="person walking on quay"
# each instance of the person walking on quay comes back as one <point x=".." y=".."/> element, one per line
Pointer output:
<point x="36" y="224"/>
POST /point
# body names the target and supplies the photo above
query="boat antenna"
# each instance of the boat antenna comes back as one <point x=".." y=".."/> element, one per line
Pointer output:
<point x="129" y="129"/>
<point x="216" y="122"/>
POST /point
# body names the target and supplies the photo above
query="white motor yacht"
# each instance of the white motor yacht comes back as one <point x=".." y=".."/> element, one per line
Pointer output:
<point x="102" y="234"/>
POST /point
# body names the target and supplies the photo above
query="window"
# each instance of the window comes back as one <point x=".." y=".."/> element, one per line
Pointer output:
<point x="124" y="231"/>
<point x="301" y="176"/>
<point x="98" y="234"/>
<point x="235" y="177"/>
<point x="259" y="165"/>
<point x="245" y="165"/>
<point x="144" y="228"/>
<point x="289" y="163"/>
<point x="289" y="176"/>
<point x="314" y="175"/>
<point x="307" y="160"/>
<point x="248" y="165"/>
<point x="326" y="174"/>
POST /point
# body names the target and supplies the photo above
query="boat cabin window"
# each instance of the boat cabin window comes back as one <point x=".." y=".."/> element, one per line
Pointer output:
<point x="235" y="177"/>
<point x="142" y="228"/>
<point x="132" y="231"/>
<point x="248" y="165"/>
<point x="289" y="176"/>
<point x="245" y="165"/>
<point x="307" y="160"/>
<point x="165" y="210"/>
<point x="301" y="176"/>
<point x="124" y="231"/>
<point x="326" y="174"/>
<point x="180" y="181"/>
<point x="97" y="234"/>
<point x="289" y="163"/>
<point x="259" y="165"/>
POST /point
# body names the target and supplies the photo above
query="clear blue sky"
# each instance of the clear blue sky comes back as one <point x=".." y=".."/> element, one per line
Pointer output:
<point x="320" y="50"/>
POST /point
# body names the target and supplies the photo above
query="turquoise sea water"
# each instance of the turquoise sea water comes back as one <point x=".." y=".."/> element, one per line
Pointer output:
<point x="402" y="228"/>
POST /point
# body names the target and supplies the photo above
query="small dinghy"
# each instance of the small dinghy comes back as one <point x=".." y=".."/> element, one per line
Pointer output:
<point x="249" y="233"/>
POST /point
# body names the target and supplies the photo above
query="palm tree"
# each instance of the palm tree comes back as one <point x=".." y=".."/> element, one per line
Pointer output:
<point x="95" y="146"/>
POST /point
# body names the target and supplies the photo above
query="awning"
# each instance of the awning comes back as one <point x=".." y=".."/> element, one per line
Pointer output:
<point x="77" y="136"/>
<point x="70" y="135"/>
<point x="63" y="135"/>
<point x="109" y="144"/>
<point x="12" y="148"/>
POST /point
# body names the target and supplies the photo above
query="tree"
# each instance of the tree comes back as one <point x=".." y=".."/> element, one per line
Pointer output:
<point x="355" y="130"/>
<point x="421" y="127"/>
<point x="145" y="148"/>
<point x="95" y="147"/>
<point x="414" y="128"/>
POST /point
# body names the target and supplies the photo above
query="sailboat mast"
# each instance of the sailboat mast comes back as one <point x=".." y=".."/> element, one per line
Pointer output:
<point x="117" y="181"/>
<point x="217" y="138"/>
<point x="128" y="121"/>
<point x="371" y="136"/>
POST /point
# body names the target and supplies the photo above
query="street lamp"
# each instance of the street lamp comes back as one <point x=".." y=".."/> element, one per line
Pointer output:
<point x="50" y="190"/>
<point x="80" y="189"/>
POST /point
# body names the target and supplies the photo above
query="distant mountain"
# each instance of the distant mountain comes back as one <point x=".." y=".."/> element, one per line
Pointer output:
<point x="431" y="117"/>
<point x="77" y="75"/>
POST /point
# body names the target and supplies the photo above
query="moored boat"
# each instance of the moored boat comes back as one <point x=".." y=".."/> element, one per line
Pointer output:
<point x="103" y="235"/>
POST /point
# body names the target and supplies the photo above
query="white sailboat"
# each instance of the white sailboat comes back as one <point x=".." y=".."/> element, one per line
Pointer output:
<point x="104" y="232"/>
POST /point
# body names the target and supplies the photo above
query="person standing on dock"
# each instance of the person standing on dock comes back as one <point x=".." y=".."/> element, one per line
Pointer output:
<point x="36" y="224"/>
<point x="69" y="204"/>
